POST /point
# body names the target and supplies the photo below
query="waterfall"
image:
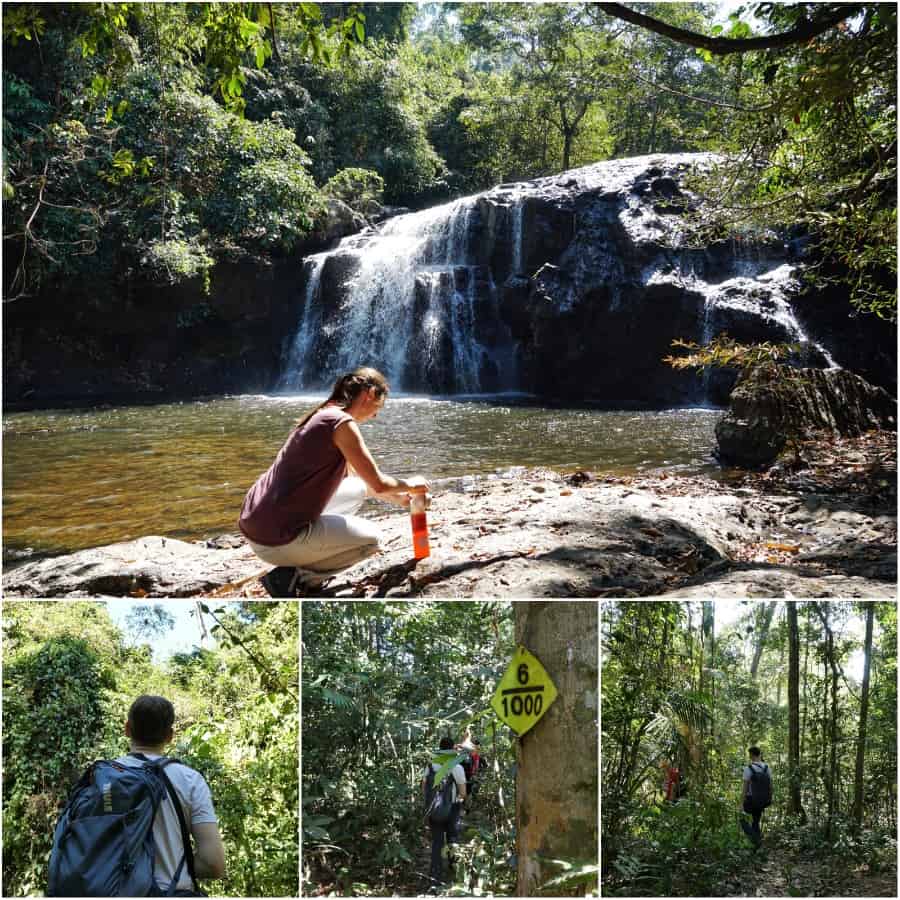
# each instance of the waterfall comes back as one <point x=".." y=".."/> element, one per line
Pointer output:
<point x="301" y="347"/>
<point x="762" y="288"/>
<point x="409" y="299"/>
<point x="592" y="278"/>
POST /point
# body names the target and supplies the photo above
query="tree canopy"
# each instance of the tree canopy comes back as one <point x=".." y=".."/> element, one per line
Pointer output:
<point x="156" y="139"/>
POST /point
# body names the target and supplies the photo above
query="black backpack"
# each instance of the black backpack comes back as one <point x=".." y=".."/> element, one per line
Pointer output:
<point x="760" y="787"/>
<point x="438" y="802"/>
<point x="103" y="845"/>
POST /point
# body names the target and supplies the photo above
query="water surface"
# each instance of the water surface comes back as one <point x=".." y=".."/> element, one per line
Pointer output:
<point x="83" y="478"/>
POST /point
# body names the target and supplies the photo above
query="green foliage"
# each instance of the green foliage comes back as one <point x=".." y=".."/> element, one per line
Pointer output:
<point x="727" y="353"/>
<point x="213" y="124"/>
<point x="356" y="187"/>
<point x="69" y="678"/>
<point x="53" y="721"/>
<point x="676" y="686"/>
<point x="382" y="683"/>
<point x="176" y="260"/>
<point x="810" y="139"/>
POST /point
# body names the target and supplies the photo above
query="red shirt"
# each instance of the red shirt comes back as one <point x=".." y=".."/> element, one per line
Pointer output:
<point x="295" y="489"/>
<point x="671" y="785"/>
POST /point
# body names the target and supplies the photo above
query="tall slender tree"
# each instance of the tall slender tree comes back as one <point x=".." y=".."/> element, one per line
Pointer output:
<point x="795" y="805"/>
<point x="863" y="717"/>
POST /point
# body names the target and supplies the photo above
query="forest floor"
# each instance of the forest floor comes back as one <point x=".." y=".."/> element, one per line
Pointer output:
<point x="826" y="530"/>
<point x="778" y="869"/>
<point x="783" y="871"/>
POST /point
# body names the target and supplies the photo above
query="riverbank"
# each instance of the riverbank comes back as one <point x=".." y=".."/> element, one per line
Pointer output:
<point x="828" y="530"/>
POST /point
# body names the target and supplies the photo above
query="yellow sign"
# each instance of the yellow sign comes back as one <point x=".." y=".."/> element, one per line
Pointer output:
<point x="525" y="692"/>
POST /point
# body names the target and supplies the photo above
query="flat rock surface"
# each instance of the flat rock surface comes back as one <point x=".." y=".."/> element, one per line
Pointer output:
<point x="533" y="533"/>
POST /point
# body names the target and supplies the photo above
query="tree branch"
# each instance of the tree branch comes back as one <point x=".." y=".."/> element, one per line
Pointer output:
<point x="721" y="46"/>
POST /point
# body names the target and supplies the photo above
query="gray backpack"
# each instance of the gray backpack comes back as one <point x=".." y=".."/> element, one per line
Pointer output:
<point x="103" y="845"/>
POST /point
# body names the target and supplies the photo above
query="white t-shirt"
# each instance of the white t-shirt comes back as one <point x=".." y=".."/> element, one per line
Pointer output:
<point x="749" y="778"/>
<point x="197" y="805"/>
<point x="459" y="777"/>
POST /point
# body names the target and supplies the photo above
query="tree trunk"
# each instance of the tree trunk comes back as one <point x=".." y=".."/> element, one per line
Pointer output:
<point x="762" y="633"/>
<point x="651" y="140"/>
<point x="863" y="715"/>
<point x="833" y="767"/>
<point x="568" y="135"/>
<point x="795" y="806"/>
<point x="556" y="779"/>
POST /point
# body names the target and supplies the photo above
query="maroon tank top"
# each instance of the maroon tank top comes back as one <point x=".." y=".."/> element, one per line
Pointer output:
<point x="295" y="489"/>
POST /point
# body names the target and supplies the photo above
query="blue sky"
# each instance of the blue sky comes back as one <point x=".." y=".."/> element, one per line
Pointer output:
<point x="183" y="637"/>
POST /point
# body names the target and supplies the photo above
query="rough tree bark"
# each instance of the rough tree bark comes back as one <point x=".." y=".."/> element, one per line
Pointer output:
<point x="556" y="780"/>
<point x="863" y="716"/>
<point x="795" y="805"/>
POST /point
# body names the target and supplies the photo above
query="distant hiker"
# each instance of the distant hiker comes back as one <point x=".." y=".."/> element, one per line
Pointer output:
<point x="472" y="763"/>
<point x="477" y="774"/>
<point x="164" y="802"/>
<point x="299" y="515"/>
<point x="443" y="805"/>
<point x="671" y="781"/>
<point x="756" y="793"/>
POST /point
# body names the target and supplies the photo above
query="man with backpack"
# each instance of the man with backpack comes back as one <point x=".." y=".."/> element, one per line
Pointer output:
<point x="756" y="794"/>
<point x="443" y="805"/>
<point x="127" y="828"/>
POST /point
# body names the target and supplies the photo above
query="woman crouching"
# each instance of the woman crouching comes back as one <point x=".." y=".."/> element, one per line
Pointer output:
<point x="299" y="515"/>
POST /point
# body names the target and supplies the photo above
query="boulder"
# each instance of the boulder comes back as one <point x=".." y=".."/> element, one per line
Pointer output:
<point x="773" y="403"/>
<point x="341" y="221"/>
<point x="147" y="567"/>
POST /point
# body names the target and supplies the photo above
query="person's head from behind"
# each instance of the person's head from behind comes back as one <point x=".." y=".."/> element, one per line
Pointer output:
<point x="446" y="742"/>
<point x="150" y="721"/>
<point x="755" y="753"/>
<point x="364" y="388"/>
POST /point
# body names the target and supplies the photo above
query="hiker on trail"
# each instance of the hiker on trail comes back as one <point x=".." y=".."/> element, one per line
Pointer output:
<point x="300" y="514"/>
<point x="471" y="766"/>
<point x="756" y="793"/>
<point x="165" y="847"/>
<point x="671" y="780"/>
<point x="443" y="806"/>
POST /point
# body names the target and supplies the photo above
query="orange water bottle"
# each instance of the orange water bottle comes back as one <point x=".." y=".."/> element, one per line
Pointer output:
<point x="419" y="522"/>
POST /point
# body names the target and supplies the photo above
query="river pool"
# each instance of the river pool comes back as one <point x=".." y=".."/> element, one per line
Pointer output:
<point x="81" y="478"/>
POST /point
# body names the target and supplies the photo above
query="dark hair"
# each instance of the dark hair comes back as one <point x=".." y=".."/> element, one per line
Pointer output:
<point x="446" y="742"/>
<point x="348" y="387"/>
<point x="755" y="751"/>
<point x="151" y="719"/>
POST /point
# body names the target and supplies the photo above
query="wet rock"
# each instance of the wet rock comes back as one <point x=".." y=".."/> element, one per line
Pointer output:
<point x="529" y="533"/>
<point x="774" y="404"/>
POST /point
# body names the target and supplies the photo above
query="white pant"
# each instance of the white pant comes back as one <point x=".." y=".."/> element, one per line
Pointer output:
<point x="334" y="541"/>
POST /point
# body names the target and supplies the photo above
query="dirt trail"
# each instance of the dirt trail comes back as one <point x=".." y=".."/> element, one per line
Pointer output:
<point x="780" y="871"/>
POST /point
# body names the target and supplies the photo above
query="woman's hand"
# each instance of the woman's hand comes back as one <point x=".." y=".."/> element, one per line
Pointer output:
<point x="417" y="481"/>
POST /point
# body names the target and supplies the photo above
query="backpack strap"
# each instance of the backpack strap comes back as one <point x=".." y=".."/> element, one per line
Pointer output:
<point x="188" y="857"/>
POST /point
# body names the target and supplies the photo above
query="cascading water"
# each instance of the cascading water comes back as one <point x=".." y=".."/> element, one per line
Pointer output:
<point x="571" y="286"/>
<point x="411" y="302"/>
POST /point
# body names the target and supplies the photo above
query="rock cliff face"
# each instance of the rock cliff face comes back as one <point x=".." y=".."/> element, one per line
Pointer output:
<point x="123" y="341"/>
<point x="571" y="287"/>
<point x="567" y="287"/>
